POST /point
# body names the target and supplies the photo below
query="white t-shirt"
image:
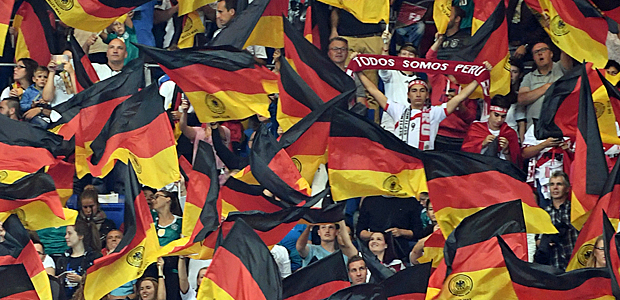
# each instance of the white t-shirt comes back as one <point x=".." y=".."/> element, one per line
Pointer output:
<point x="515" y="113"/>
<point x="542" y="173"/>
<point x="190" y="295"/>
<point x="48" y="262"/>
<point x="436" y="114"/>
<point x="60" y="96"/>
<point x="165" y="4"/>
<point x="104" y="71"/>
<point x="396" y="84"/>
<point x="280" y="255"/>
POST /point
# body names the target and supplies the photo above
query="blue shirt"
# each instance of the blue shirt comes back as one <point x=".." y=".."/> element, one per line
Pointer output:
<point x="30" y="94"/>
<point x="143" y="23"/>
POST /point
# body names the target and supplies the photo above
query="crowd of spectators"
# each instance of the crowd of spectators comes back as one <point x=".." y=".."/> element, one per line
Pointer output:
<point x="425" y="111"/>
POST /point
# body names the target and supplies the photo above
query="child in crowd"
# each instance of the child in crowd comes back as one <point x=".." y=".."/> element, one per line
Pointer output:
<point x="32" y="97"/>
<point x="123" y="29"/>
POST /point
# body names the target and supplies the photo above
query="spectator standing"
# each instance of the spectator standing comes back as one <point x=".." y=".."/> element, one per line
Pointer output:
<point x="125" y="31"/>
<point x="168" y="226"/>
<point x="328" y="233"/>
<point x="186" y="292"/>
<point x="91" y="213"/>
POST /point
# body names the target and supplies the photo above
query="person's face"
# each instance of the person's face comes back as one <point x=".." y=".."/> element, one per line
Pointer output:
<point x="357" y="272"/>
<point x="405" y="53"/>
<point x="431" y="213"/>
<point x="496" y="119"/>
<point x="327" y="232"/>
<point x="377" y="243"/>
<point x="89" y="207"/>
<point x="542" y="55"/>
<point x="40" y="78"/>
<point x="338" y="51"/>
<point x="160" y="200"/>
<point x="559" y="189"/>
<point x="201" y="275"/>
<point x="453" y="20"/>
<point x="5" y="110"/>
<point x="612" y="71"/>
<point x="223" y="15"/>
<point x="147" y="290"/>
<point x="112" y="239"/>
<point x="515" y="73"/>
<point x="118" y="27"/>
<point x="19" y="71"/>
<point x="72" y="238"/>
<point x="40" y="251"/>
<point x="599" y="254"/>
<point x="422" y="199"/>
<point x="116" y="51"/>
<point x="149" y="195"/>
<point x="417" y="94"/>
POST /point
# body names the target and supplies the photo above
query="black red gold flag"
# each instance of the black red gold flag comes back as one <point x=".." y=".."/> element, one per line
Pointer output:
<point x="367" y="11"/>
<point x="296" y="98"/>
<point x="329" y="212"/>
<point x="192" y="25"/>
<point x="316" y="31"/>
<point x="533" y="280"/>
<point x="138" y="130"/>
<point x="134" y="253"/>
<point x="367" y="291"/>
<point x="188" y="6"/>
<point x="609" y="202"/>
<point x="433" y="248"/>
<point x="455" y="182"/>
<point x="35" y="200"/>
<point x="315" y="68"/>
<point x="573" y="24"/>
<point x="379" y="164"/>
<point x="610" y="8"/>
<point x="219" y="96"/>
<point x="6" y="7"/>
<point x="85" y="75"/>
<point x="92" y="15"/>
<point x="62" y="173"/>
<point x="17" y="253"/>
<point x="36" y="147"/>
<point x="35" y="34"/>
<point x="236" y="195"/>
<point x="318" y="280"/>
<point x="242" y="268"/>
<point x="409" y="283"/>
<point x="612" y="257"/>
<point x="97" y="102"/>
<point x="259" y="24"/>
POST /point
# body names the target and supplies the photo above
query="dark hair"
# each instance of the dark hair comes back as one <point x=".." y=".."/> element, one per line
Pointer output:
<point x="459" y="12"/>
<point x="13" y="102"/>
<point x="151" y="279"/>
<point x="390" y="254"/>
<point x="501" y="101"/>
<point x="517" y="63"/>
<point x="428" y="203"/>
<point x="353" y="259"/>
<point x="230" y="4"/>
<point x="31" y="67"/>
<point x="409" y="47"/>
<point x="338" y="38"/>
<point x="148" y="188"/>
<point x="82" y="228"/>
<point x="175" y="205"/>
<point x="612" y="63"/>
<point x="41" y="69"/>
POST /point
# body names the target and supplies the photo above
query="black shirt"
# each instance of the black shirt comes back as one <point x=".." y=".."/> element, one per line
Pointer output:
<point x="454" y="44"/>
<point x="349" y="25"/>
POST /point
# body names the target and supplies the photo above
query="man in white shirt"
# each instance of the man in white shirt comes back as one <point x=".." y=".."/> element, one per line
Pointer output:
<point x="116" y="55"/>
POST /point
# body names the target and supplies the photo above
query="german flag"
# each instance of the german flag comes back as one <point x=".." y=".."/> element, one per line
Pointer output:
<point x="573" y="24"/>
<point x="379" y="164"/>
<point x="35" y="35"/>
<point x="369" y="291"/>
<point x="92" y="15"/>
<point x="139" y="131"/>
<point x="17" y="253"/>
<point x="25" y="149"/>
<point x="532" y="280"/>
<point x="188" y="6"/>
<point x="134" y="253"/>
<point x="236" y="195"/>
<point x="62" y="173"/>
<point x="409" y="283"/>
<point x="315" y="31"/>
<point x="192" y="25"/>
<point x="473" y="265"/>
<point x="378" y="271"/>
<point x="242" y="268"/>
<point x="259" y="24"/>
<point x="455" y="182"/>
<point x="318" y="280"/>
<point x="306" y="141"/>
<point x="589" y="168"/>
<point x="85" y="75"/>
<point x="612" y="257"/>
<point x="315" y="68"/>
<point x="367" y="11"/>
<point x="442" y="9"/>
<point x="609" y="202"/>
<point x="97" y="102"/>
<point x="200" y="215"/>
<point x="274" y="169"/>
<point x="433" y="249"/>
<point x="609" y="8"/>
<point x="329" y="212"/>
<point x="6" y="8"/>
<point x="219" y="97"/>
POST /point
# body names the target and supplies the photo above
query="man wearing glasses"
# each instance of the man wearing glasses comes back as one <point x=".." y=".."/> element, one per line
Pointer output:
<point x="536" y="83"/>
<point x="338" y="53"/>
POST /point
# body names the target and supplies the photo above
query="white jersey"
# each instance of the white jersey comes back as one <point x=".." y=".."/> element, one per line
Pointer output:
<point x="396" y="87"/>
<point x="436" y="114"/>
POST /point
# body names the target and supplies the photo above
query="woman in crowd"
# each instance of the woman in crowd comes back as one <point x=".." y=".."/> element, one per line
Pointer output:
<point x="597" y="259"/>
<point x="150" y="288"/>
<point x="168" y="227"/>
<point x="429" y="222"/>
<point x="22" y="78"/>
<point x="92" y="214"/>
<point x="78" y="258"/>
<point x="382" y="246"/>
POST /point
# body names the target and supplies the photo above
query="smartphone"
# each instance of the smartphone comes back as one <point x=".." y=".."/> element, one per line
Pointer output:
<point x="60" y="60"/>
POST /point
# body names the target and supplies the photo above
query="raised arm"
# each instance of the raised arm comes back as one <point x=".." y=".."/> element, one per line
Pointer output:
<point x="186" y="130"/>
<point x="462" y="96"/>
<point x="49" y="89"/>
<point x="345" y="243"/>
<point x="183" y="281"/>
<point x="302" y="242"/>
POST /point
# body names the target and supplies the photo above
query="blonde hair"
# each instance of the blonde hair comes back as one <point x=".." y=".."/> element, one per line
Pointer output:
<point x="591" y="263"/>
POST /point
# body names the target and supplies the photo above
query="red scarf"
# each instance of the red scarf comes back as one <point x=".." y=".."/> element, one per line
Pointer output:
<point x="478" y="131"/>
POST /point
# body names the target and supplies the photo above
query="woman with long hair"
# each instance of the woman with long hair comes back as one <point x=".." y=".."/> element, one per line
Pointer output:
<point x="22" y="78"/>
<point x="168" y="227"/>
<point x="382" y="245"/>
<point x="90" y="211"/>
<point x="597" y="259"/>
<point x="150" y="288"/>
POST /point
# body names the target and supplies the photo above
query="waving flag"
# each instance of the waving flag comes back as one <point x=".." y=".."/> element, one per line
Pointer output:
<point x="367" y="11"/>
<point x="92" y="15"/>
<point x="318" y="280"/>
<point x="6" y="8"/>
<point x="85" y="75"/>
<point x="35" y="34"/>
<point x="612" y="258"/>
<point x="409" y="283"/>
<point x="609" y="8"/>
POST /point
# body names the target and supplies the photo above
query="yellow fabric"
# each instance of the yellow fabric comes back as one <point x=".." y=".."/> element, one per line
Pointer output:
<point x="246" y="176"/>
<point x="191" y="214"/>
<point x="4" y="29"/>
<point x="494" y="283"/>
<point x="227" y="208"/>
<point x="188" y="6"/>
<point x="347" y="184"/>
<point x="309" y="164"/>
<point x="367" y="11"/>
<point x="433" y="254"/>
<point x="232" y="105"/>
<point x="10" y="176"/>
<point x="580" y="259"/>
<point x="209" y="290"/>
<point x="442" y="9"/>
<point x="613" y="79"/>
<point x="37" y="215"/>
<point x="605" y="116"/>
<point x="64" y="195"/>
<point x="41" y="283"/>
<point x="578" y="214"/>
<point x="192" y="26"/>
<point x="74" y="16"/>
<point x="21" y="49"/>
<point x="99" y="283"/>
<point x="268" y="32"/>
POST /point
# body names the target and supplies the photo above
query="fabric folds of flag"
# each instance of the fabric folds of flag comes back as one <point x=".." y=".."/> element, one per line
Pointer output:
<point x="409" y="283"/>
<point x="242" y="268"/>
<point x="442" y="9"/>
<point x="97" y="102"/>
<point x="6" y="8"/>
<point x="315" y="68"/>
<point x="135" y="251"/>
<point x="573" y="24"/>
<point x="609" y="8"/>
<point x="139" y="131"/>
<point x="379" y="164"/>
<point x="192" y="25"/>
<point x="35" y="35"/>
<point x="35" y="200"/>
<point x="92" y="15"/>
<point x="24" y="149"/>
<point x="236" y="195"/>
<point x="367" y="11"/>
<point x="462" y="183"/>
<point x="532" y="280"/>
<point x="17" y="253"/>
<point x="433" y="248"/>
<point x="318" y="280"/>
<point x="62" y="173"/>
<point x="259" y="24"/>
<point x="368" y="291"/>
<point x="220" y="96"/>
<point x="612" y="257"/>
<point x="85" y="75"/>
<point x="315" y="31"/>
<point x="188" y="6"/>
<point x="593" y="228"/>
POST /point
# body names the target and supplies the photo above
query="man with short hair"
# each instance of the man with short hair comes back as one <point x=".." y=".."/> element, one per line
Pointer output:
<point x="536" y="83"/>
<point x="329" y="234"/>
<point x="116" y="54"/>
<point x="559" y="246"/>
<point x="456" y="38"/>
<point x="186" y="292"/>
<point x="226" y="11"/>
<point x="338" y="51"/>
<point x="10" y="108"/>
<point x="356" y="267"/>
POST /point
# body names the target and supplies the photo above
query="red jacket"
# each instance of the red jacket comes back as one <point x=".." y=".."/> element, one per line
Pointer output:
<point x="478" y="131"/>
